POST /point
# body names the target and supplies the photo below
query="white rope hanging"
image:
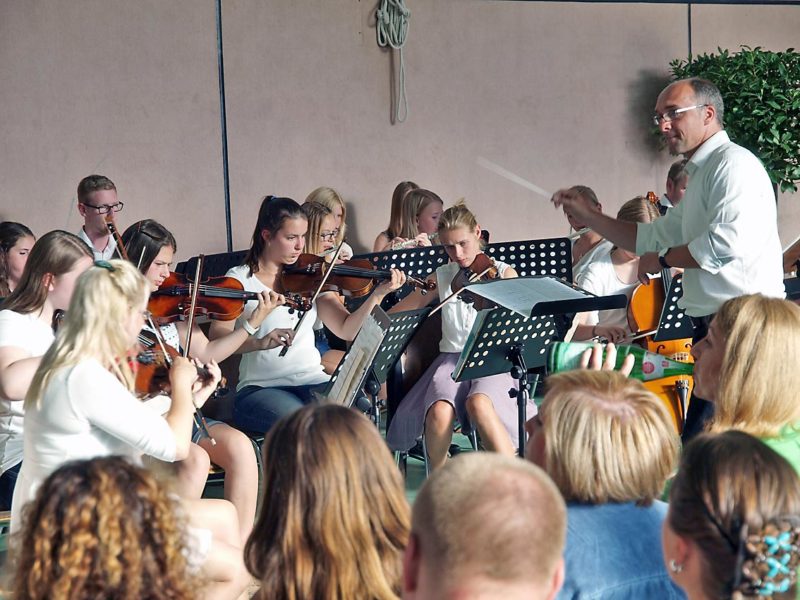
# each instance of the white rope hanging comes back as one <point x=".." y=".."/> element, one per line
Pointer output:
<point x="392" y="28"/>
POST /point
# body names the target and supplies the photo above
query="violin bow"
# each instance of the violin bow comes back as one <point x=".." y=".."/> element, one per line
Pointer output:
<point x="317" y="292"/>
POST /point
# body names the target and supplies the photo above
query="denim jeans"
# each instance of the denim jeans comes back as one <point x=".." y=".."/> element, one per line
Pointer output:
<point x="257" y="409"/>
<point x="8" y="482"/>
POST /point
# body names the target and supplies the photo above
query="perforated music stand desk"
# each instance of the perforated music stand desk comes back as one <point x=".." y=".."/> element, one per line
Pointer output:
<point x="673" y="323"/>
<point x="401" y="328"/>
<point x="514" y="336"/>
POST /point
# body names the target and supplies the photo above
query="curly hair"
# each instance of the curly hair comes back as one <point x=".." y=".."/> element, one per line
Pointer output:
<point x="101" y="528"/>
<point x="335" y="520"/>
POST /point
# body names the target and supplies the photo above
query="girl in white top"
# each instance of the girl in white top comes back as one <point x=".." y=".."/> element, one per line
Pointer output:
<point x="26" y="332"/>
<point x="80" y="406"/>
<point x="271" y="386"/>
<point x="435" y="400"/>
<point x="614" y="272"/>
<point x="152" y="248"/>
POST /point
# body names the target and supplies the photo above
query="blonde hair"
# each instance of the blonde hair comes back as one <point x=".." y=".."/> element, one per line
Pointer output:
<point x="101" y="528"/>
<point x="638" y="210"/>
<point x="757" y="377"/>
<point x="396" y="221"/>
<point x="457" y="216"/>
<point x="414" y="202"/>
<point x="315" y="213"/>
<point x="104" y="298"/>
<point x="606" y="438"/>
<point x="491" y="516"/>
<point x="335" y="519"/>
<point x="331" y="198"/>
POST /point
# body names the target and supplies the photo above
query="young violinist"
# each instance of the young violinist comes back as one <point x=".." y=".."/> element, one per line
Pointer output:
<point x="97" y="197"/>
<point x="613" y="272"/>
<point x="16" y="242"/>
<point x="271" y="386"/>
<point x="435" y="400"/>
<point x="80" y="405"/>
<point x="26" y="332"/>
<point x="331" y="199"/>
<point x="152" y="247"/>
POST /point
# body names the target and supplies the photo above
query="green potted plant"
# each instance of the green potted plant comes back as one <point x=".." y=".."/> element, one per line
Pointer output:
<point x="761" y="90"/>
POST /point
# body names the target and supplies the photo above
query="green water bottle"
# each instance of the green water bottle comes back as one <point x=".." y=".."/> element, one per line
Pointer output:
<point x="564" y="356"/>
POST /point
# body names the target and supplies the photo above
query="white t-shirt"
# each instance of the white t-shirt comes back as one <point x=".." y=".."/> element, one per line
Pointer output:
<point x="34" y="336"/>
<point x="600" y="278"/>
<point x="457" y="316"/>
<point x="603" y="247"/>
<point x="85" y="412"/>
<point x="302" y="364"/>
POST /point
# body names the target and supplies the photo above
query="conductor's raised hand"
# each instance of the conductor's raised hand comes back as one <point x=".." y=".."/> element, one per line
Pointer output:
<point x="572" y="203"/>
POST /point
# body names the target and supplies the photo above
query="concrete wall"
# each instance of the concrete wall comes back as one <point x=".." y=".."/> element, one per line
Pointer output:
<point x="558" y="93"/>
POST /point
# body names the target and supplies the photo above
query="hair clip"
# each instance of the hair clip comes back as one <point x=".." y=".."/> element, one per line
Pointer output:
<point x="104" y="264"/>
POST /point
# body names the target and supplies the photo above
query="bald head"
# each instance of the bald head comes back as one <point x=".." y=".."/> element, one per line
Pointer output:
<point x="689" y="112"/>
<point x="483" y="526"/>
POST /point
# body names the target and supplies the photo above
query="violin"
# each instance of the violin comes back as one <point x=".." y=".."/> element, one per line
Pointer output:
<point x="354" y="278"/>
<point x="218" y="298"/>
<point x="644" y="314"/>
<point x="482" y="268"/>
<point x="152" y="363"/>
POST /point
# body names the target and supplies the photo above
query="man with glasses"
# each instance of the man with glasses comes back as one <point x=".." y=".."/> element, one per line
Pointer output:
<point x="724" y="233"/>
<point x="97" y="197"/>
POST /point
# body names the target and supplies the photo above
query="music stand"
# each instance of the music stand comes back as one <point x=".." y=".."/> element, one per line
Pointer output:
<point x="514" y="336"/>
<point x="400" y="330"/>
<point x="673" y="323"/>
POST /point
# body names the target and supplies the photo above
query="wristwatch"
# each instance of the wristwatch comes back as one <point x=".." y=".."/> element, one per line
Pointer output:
<point x="662" y="259"/>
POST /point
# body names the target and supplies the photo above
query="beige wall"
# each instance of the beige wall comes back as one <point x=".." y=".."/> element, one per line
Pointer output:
<point x="559" y="93"/>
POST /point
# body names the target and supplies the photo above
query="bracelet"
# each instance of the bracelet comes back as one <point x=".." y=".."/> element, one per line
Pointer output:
<point x="662" y="260"/>
<point x="249" y="328"/>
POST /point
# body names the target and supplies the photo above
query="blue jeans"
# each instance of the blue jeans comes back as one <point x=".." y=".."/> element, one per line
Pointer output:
<point x="257" y="409"/>
<point x="8" y="482"/>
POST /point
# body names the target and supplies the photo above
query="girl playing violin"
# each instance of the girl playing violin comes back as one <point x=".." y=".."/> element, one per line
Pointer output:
<point x="153" y="247"/>
<point x="435" y="400"/>
<point x="80" y="405"/>
<point x="613" y="272"/>
<point x="26" y="332"/>
<point x="271" y="386"/>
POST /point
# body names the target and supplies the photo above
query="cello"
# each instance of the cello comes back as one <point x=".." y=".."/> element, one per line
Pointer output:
<point x="644" y="314"/>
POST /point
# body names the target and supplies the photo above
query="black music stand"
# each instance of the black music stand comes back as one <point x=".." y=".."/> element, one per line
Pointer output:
<point x="400" y="330"/>
<point x="673" y="323"/>
<point x="514" y="336"/>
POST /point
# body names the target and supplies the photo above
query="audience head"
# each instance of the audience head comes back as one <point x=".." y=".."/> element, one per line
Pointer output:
<point x="151" y="247"/>
<point x="733" y="527"/>
<point x="101" y="528"/>
<point x="105" y="316"/>
<point x="280" y="232"/>
<point x="396" y="220"/>
<point x="603" y="438"/>
<point x="97" y="196"/>
<point x="677" y="180"/>
<point x="486" y="526"/>
<point x="16" y="242"/>
<point x="331" y="198"/>
<point x="743" y="365"/>
<point x="588" y="194"/>
<point x="422" y="209"/>
<point x="335" y="519"/>
<point x="55" y="262"/>
<point x="322" y="232"/>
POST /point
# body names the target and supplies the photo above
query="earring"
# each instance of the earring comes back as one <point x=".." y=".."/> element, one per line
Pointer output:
<point x="674" y="566"/>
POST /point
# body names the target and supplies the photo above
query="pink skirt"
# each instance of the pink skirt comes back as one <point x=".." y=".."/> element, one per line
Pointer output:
<point x="437" y="384"/>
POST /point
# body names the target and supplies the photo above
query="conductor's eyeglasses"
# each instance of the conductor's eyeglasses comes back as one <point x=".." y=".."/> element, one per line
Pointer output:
<point x="673" y="114"/>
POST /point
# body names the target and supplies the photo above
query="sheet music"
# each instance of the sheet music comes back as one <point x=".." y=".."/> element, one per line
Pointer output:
<point x="521" y="294"/>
